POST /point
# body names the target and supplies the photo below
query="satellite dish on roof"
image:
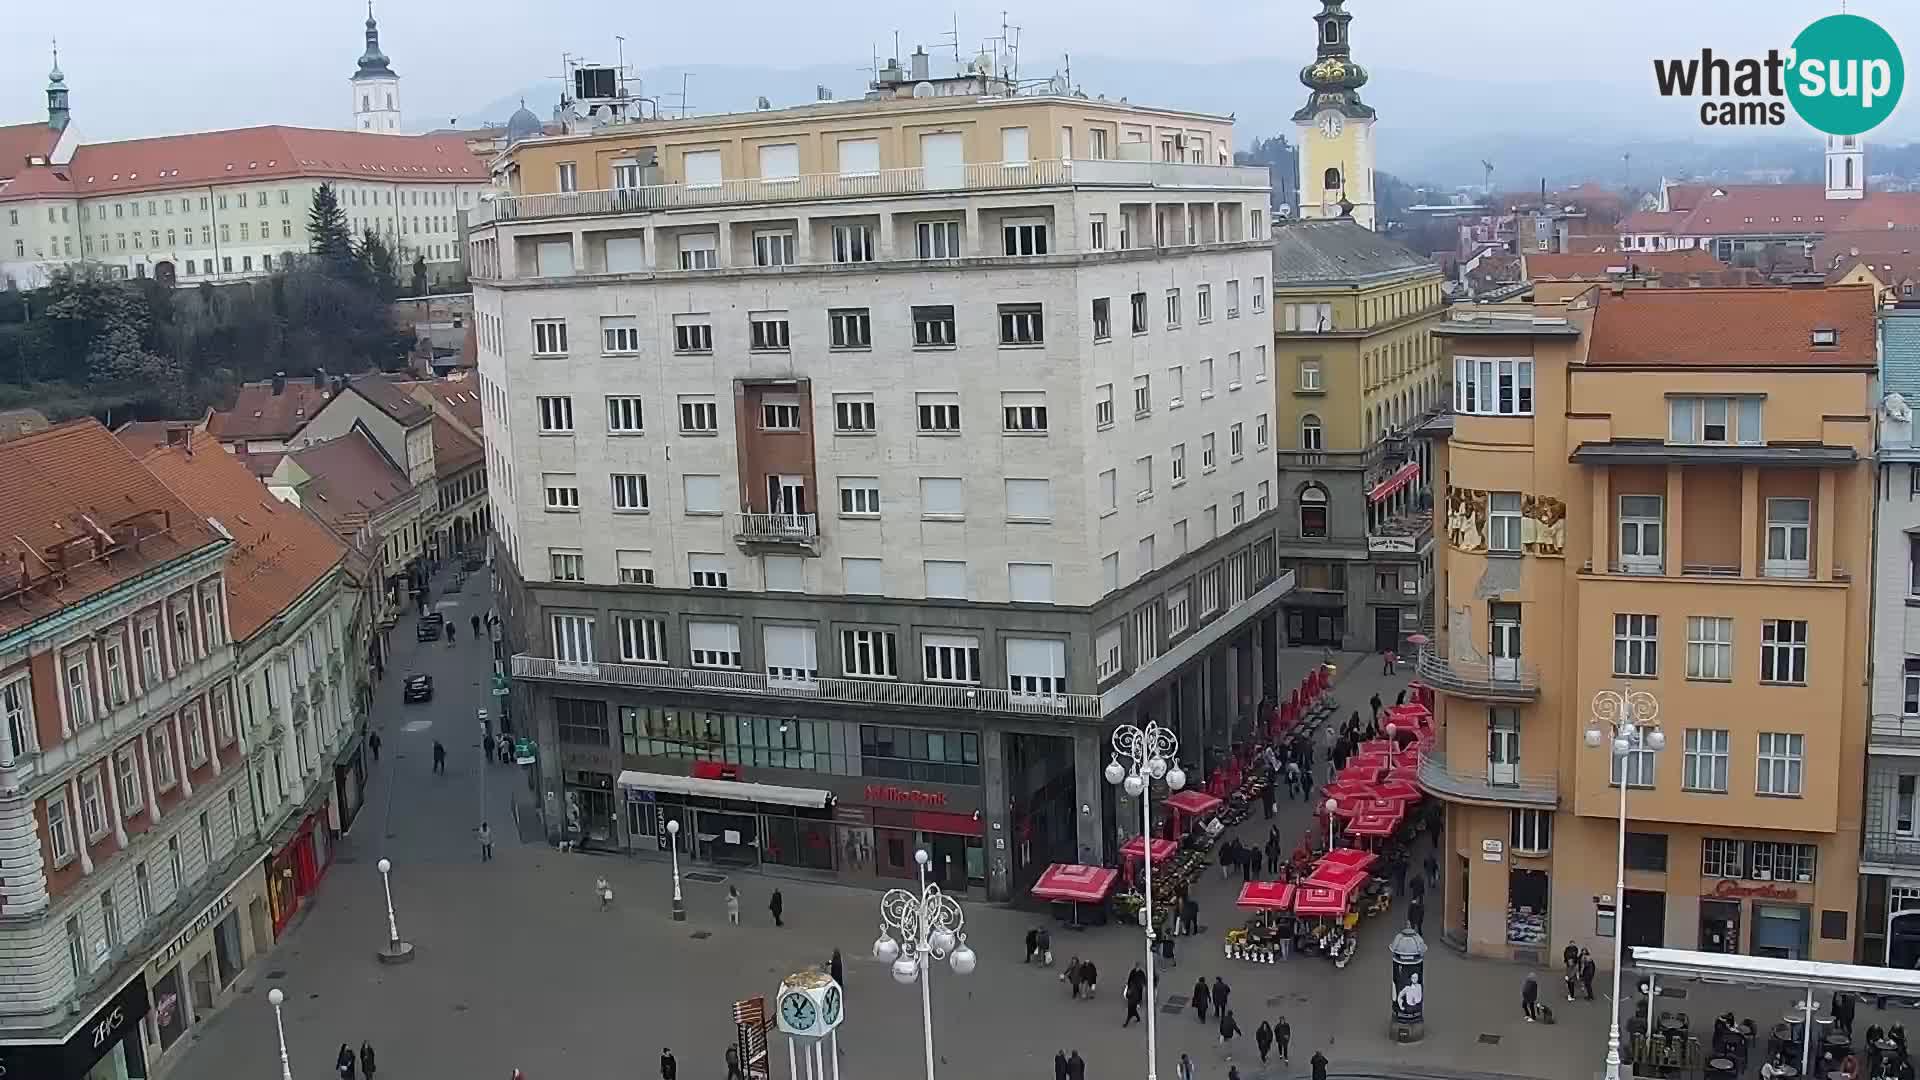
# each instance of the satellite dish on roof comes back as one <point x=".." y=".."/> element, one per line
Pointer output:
<point x="922" y="89"/>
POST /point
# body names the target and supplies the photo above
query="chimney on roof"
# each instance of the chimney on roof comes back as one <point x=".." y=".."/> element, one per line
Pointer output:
<point x="919" y="61"/>
<point x="279" y="383"/>
<point x="319" y="378"/>
<point x="180" y="435"/>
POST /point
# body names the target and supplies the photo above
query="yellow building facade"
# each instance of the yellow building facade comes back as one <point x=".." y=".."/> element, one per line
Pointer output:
<point x="1666" y="491"/>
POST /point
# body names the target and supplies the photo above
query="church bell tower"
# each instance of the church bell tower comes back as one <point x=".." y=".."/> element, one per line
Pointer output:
<point x="376" y="88"/>
<point x="1334" y="129"/>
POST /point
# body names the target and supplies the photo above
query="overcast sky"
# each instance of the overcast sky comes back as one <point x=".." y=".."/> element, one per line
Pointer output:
<point x="137" y="67"/>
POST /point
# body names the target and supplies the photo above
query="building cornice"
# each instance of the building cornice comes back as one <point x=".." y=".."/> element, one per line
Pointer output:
<point x="75" y="617"/>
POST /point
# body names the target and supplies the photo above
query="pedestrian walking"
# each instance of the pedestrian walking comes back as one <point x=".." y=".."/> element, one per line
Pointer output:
<point x="1417" y="887"/>
<point x="1233" y="1072"/>
<point x="1076" y="1068"/>
<point x="1089" y="977"/>
<point x="1530" y="998"/>
<point x="1399" y="879"/>
<point x="1417" y="916"/>
<point x="604" y="891"/>
<point x="439" y="757"/>
<point x="1046" y="947"/>
<point x="486" y="842"/>
<point x="1432" y="866"/>
<point x="1263" y="1038"/>
<point x="1191" y="909"/>
<point x="1319" y="1063"/>
<point x="1249" y="863"/>
<point x="1570" y="956"/>
<point x="373" y="743"/>
<point x="776" y="905"/>
<point x="1059" y="1065"/>
<point x="1033" y="946"/>
<point x="1186" y="1068"/>
<point x="366" y="1059"/>
<point x="669" y="1068"/>
<point x="733" y="1064"/>
<point x="1072" y="977"/>
<point x="837" y="969"/>
<point x="1220" y="992"/>
<point x="1588" y="970"/>
<point x="1572" y="979"/>
<point x="475" y="621"/>
<point x="1387" y="660"/>
<point x="345" y="1062"/>
<point x="1229" y="1027"/>
<point x="1282" y="1037"/>
<point x="1136" y="993"/>
<point x="733" y="905"/>
<point x="1293" y="781"/>
<point x="1375" y="702"/>
<point x="1201" y="998"/>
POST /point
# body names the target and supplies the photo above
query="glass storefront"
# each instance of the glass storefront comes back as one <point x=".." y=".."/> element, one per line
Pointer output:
<point x="169" y="1017"/>
<point x="227" y="949"/>
<point x="1780" y="931"/>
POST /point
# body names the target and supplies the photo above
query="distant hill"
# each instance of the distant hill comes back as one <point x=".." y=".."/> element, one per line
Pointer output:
<point x="1433" y="129"/>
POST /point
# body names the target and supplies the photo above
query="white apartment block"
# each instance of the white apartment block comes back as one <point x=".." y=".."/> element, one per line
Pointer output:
<point x="972" y="424"/>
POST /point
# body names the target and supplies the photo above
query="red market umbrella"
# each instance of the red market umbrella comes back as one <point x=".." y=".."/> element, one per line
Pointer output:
<point x="1194" y="802"/>
<point x="1079" y="884"/>
<point x="1313" y="899"/>
<point x="1370" y="759"/>
<point x="1397" y="788"/>
<point x="1374" y="824"/>
<point x="1412" y="710"/>
<point x="1162" y="849"/>
<point x="1376" y="746"/>
<point x="1336" y="876"/>
<point x="1266" y="895"/>
<point x="1353" y="857"/>
<point x="1417" y="639"/>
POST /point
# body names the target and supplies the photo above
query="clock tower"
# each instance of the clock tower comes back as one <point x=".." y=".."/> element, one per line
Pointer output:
<point x="1334" y="128"/>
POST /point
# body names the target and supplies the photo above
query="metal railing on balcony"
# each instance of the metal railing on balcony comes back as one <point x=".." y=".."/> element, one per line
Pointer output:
<point x="886" y="693"/>
<point x="779" y="529"/>
<point x="1498" y="679"/>
<point x="1484" y="784"/>
<point x="1890" y="849"/>
<point x="982" y="176"/>
<point x="1331" y="459"/>
<point x="1900" y="732"/>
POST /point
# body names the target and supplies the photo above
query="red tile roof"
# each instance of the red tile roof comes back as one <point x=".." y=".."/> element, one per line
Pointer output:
<point x="259" y="413"/>
<point x="1748" y="327"/>
<point x="18" y="142"/>
<point x="461" y="398"/>
<point x="389" y="397"/>
<point x="1769" y="209"/>
<point x="1596" y="266"/>
<point x="1892" y="254"/>
<point x="453" y="449"/>
<point x="64" y="490"/>
<point x="349" y="481"/>
<point x="1652" y="221"/>
<point x="279" y="551"/>
<point x="249" y="154"/>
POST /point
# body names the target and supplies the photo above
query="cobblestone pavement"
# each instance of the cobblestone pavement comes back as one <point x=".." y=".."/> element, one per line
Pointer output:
<point x="518" y="967"/>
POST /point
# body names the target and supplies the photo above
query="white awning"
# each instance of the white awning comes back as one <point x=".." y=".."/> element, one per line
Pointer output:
<point x="738" y="790"/>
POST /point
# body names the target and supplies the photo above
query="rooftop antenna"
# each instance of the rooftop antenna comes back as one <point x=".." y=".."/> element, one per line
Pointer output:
<point x="1487" y="166"/>
<point x="1068" y="59"/>
<point x="684" y="76"/>
<point x="955" y="35"/>
<point x="620" y="51"/>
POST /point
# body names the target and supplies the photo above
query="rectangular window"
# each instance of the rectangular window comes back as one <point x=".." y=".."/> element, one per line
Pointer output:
<point x="1260" y="434"/>
<point x="945" y="578"/>
<point x="1022" y="324"/>
<point x="699" y="251"/>
<point x="1103" y="405"/>
<point x="573" y="639"/>
<point x="60" y="829"/>
<point x="1493" y="387"/>
<point x="566" y="564"/>
<point x="1036" y="667"/>
<point x="161" y="752"/>
<point x="1142" y="395"/>
<point x="853" y="244"/>
<point x="1780" y="763"/>
<point x="1907" y="786"/>
<point x="1097" y="232"/>
<point x="1720" y="858"/>
<point x="1783" y="651"/>
<point x="1259" y="293"/>
<point x="951" y="658"/>
<point x="1139" y="301"/>
<point x="1023" y="412"/>
<point x="853" y="414"/>
<point x="1636" y="645"/>
<point x="938" y="239"/>
<point x="850" y="328"/>
<point x="869" y="654"/>
<point x="634" y="567"/>
<point x="701" y="493"/>
<point x="630" y="493"/>
<point x="126" y="778"/>
<point x="1637" y="764"/>
<point x="1709" y="648"/>
<point x="707" y="571"/>
<point x="1024" y="238"/>
<point x="1143" y="478"/>
<point x="942" y="496"/>
<point x="624" y="416"/>
<point x="581" y="722"/>
<point x="1774" y="861"/>
<point x="1179" y="611"/>
<point x="1236" y="442"/>
<point x="692" y="334"/>
<point x="642" y="639"/>
<point x="1173" y="309"/>
<point x="1030" y="583"/>
<point x="768" y="331"/>
<point x="1707" y="758"/>
<point x="1641" y="534"/>
<point x="1106" y="653"/>
<point x="1788" y="531"/>
<point x="1714" y="420"/>
<point x="563" y="491"/>
<point x="1531" y="831"/>
<point x="1179" y="466"/>
<point x="779" y="414"/>
<point x="93" y="806"/>
<point x="1503" y="521"/>
<point x="1206" y="452"/>
<point x="1029" y="499"/>
<point x="549" y="337"/>
<point x="859" y="496"/>
<point x="1109" y="491"/>
<point x="79" y="690"/>
<point x="16" y="708"/>
<point x="933" y="326"/>
<point x="1209" y="590"/>
<point x="773" y="247"/>
<point x="556" y="415"/>
<point x="1910" y="698"/>
<point x="1203" y="302"/>
<point x="939" y="413"/>
<point x="699" y="416"/>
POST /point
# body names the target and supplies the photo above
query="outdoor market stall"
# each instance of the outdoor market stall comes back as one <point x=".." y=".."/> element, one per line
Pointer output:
<point x="1264" y="937"/>
<point x="1069" y="886"/>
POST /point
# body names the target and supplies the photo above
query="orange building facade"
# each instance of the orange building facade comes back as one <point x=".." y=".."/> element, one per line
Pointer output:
<point x="1668" y="491"/>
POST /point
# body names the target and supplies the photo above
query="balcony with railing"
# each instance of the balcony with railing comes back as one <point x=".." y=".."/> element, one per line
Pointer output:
<point x="1495" y="679"/>
<point x="828" y="187"/>
<point x="1883" y="848"/>
<point x="1895" y="734"/>
<point x="1502" y="785"/>
<point x="794" y="532"/>
<point x="756" y="686"/>
<point x="1331" y="459"/>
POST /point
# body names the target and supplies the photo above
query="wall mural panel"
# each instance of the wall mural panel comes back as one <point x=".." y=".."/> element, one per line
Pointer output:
<point x="1543" y="525"/>
<point x="1467" y="519"/>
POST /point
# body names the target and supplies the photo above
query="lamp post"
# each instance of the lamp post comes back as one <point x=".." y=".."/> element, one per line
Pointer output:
<point x="486" y="759"/>
<point x="673" y="845"/>
<point x="395" y="951"/>
<point x="1149" y="751"/>
<point x="274" y="997"/>
<point x="1333" y="808"/>
<point x="928" y="926"/>
<point x="1624" y="720"/>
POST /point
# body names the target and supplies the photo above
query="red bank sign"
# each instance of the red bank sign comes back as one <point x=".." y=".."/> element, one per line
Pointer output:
<point x="887" y="793"/>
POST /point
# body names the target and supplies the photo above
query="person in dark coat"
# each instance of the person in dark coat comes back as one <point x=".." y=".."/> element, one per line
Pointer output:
<point x="366" y="1059"/>
<point x="1059" y="1065"/>
<point x="1417" y="916"/>
<point x="1417" y="887"/>
<point x="1229" y="1027"/>
<point x="1375" y="702"/>
<point x="1588" y="970"/>
<point x="373" y="744"/>
<point x="776" y="905"/>
<point x="669" y="1068"/>
<point x="1263" y="1038"/>
<point x="1319" y="1063"/>
<point x="1089" y="975"/>
<point x="1190" y="909"/>
<point x="837" y="969"/>
<point x="733" y="1064"/>
<point x="439" y="757"/>
<point x="1135" y="994"/>
<point x="1033" y="946"/>
<point x="344" y="1063"/>
<point x="1530" y="998"/>
<point x="1282" y="1037"/>
<point x="1220" y="992"/>
<point x="1076" y="1068"/>
<point x="1201" y="998"/>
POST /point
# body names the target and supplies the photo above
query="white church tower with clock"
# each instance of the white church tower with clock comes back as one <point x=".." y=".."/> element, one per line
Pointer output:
<point x="1334" y="128"/>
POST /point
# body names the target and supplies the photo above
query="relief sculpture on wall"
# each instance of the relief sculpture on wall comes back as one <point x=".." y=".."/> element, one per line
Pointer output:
<point x="1467" y="519"/>
<point x="1543" y="525"/>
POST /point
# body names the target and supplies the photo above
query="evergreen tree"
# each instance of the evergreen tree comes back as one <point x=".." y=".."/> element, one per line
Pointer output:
<point x="331" y="239"/>
<point x="378" y="265"/>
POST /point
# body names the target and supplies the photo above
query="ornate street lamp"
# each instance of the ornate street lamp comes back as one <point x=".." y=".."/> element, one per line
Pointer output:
<point x="1150" y="755"/>
<point x="274" y="997"/>
<point x="928" y="926"/>
<point x="1625" y="721"/>
<point x="673" y="845"/>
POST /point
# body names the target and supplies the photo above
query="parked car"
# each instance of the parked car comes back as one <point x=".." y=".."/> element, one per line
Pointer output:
<point x="430" y="626"/>
<point x="418" y="688"/>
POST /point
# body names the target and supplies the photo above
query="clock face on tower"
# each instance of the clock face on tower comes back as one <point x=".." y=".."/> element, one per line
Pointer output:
<point x="798" y="1012"/>
<point x="830" y="1006"/>
<point x="1331" y="124"/>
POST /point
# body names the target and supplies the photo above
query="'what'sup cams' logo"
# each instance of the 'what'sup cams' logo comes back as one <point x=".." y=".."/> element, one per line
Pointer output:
<point x="1842" y="75"/>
